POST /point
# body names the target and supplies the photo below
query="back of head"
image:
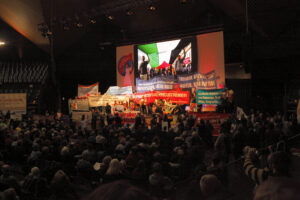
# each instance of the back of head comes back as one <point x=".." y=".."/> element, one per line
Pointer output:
<point x="60" y="180"/>
<point x="118" y="190"/>
<point x="35" y="172"/>
<point x="114" y="167"/>
<point x="210" y="185"/>
<point x="156" y="167"/>
<point x="10" y="194"/>
<point x="278" y="188"/>
<point x="279" y="162"/>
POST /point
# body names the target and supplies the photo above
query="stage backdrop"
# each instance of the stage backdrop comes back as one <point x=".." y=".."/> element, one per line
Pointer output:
<point x="125" y="68"/>
<point x="203" y="53"/>
<point x="211" y="55"/>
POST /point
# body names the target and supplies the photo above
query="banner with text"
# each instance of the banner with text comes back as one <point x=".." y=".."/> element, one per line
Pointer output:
<point x="179" y="97"/>
<point x="87" y="90"/>
<point x="157" y="83"/>
<point x="209" y="96"/>
<point x="198" y="80"/>
<point x="116" y="90"/>
<point x="96" y="101"/>
<point x="78" y="105"/>
<point x="129" y="116"/>
<point x="216" y="119"/>
<point x="13" y="102"/>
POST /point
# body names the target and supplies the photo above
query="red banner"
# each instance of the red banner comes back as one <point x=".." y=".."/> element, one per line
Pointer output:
<point x="216" y="119"/>
<point x="176" y="96"/>
<point x="128" y="117"/>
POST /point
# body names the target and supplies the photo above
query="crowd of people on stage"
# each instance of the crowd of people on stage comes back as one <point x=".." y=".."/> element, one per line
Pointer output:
<point x="44" y="159"/>
<point x="179" y="67"/>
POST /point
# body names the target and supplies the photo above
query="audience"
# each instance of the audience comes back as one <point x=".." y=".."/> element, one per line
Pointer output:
<point x="52" y="159"/>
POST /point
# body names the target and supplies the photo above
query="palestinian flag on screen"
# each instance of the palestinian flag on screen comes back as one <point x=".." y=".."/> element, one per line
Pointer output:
<point x="160" y="52"/>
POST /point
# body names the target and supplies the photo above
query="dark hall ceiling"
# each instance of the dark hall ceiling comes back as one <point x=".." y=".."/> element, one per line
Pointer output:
<point x="273" y="25"/>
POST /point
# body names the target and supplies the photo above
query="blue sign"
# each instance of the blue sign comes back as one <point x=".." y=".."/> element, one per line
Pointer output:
<point x="157" y="83"/>
<point x="212" y="97"/>
<point x="198" y="80"/>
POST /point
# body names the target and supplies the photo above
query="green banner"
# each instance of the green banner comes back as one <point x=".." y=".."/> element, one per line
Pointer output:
<point x="152" y="51"/>
<point x="212" y="97"/>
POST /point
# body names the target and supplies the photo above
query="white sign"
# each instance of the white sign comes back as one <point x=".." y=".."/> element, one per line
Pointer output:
<point x="88" y="90"/>
<point x="14" y="102"/>
<point x="96" y="101"/>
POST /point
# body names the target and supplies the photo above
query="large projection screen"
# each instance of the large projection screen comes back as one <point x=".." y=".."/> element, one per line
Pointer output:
<point x="200" y="53"/>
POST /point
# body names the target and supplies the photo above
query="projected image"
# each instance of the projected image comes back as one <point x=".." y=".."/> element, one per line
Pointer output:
<point x="164" y="59"/>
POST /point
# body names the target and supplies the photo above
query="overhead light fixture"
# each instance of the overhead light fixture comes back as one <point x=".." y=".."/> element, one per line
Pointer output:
<point x="183" y="1"/>
<point x="2" y="43"/>
<point x="129" y="12"/>
<point x="152" y="7"/>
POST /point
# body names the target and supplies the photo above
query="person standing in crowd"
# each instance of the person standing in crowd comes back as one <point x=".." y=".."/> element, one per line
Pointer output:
<point x="143" y="68"/>
<point x="179" y="65"/>
<point x="143" y="104"/>
<point x="108" y="109"/>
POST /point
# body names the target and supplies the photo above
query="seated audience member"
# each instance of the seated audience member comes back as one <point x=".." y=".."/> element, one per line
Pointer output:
<point x="61" y="188"/>
<point x="102" y="167"/>
<point x="118" y="190"/>
<point x="278" y="188"/>
<point x="33" y="184"/>
<point x="139" y="173"/>
<point x="211" y="187"/>
<point x="10" y="194"/>
<point x="159" y="183"/>
<point x="113" y="172"/>
<point x="278" y="166"/>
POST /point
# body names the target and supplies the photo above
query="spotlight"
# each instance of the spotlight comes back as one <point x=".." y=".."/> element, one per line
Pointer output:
<point x="93" y="21"/>
<point x="49" y="32"/>
<point x="66" y="28"/>
<point x="152" y="8"/>
<point x="79" y="25"/>
<point x="2" y="43"/>
<point x="110" y="17"/>
<point x="129" y="12"/>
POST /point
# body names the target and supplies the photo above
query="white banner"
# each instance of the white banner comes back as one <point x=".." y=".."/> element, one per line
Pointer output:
<point x="116" y="90"/>
<point x="14" y="102"/>
<point x="96" y="101"/>
<point x="78" y="105"/>
<point x="88" y="90"/>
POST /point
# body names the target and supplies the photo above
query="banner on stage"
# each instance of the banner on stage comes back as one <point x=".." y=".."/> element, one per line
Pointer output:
<point x="211" y="97"/>
<point x="15" y="103"/>
<point x="78" y="105"/>
<point x="216" y="119"/>
<point x="157" y="83"/>
<point x="116" y="90"/>
<point x="198" y="80"/>
<point x="179" y="97"/>
<point x="96" y="101"/>
<point x="129" y="116"/>
<point x="87" y="90"/>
